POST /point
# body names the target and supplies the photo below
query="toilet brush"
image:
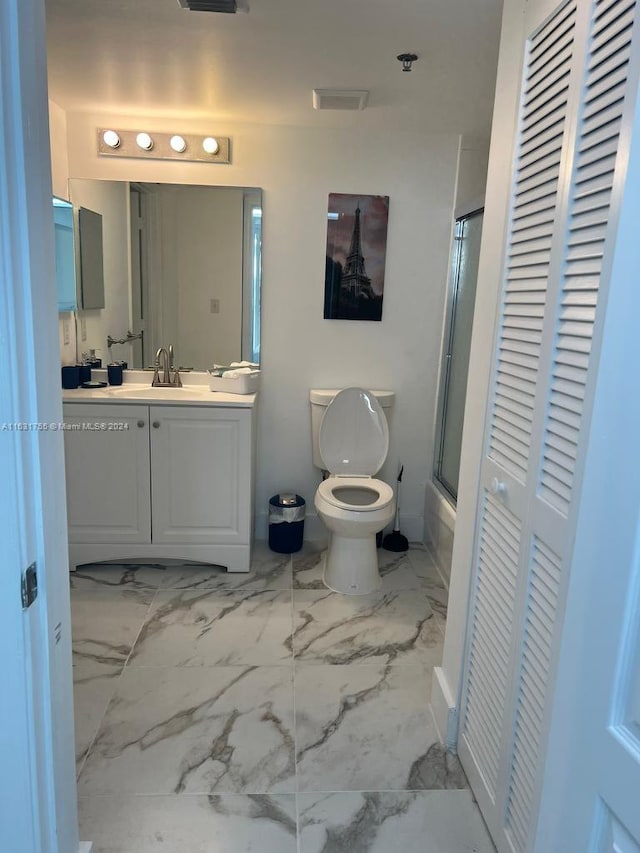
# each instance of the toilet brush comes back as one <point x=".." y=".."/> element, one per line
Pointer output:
<point x="395" y="541"/>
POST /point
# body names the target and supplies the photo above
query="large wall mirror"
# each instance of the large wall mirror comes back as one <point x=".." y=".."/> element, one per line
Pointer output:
<point x="182" y="266"/>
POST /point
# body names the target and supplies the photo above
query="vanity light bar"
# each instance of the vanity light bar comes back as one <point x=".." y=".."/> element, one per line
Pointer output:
<point x="164" y="146"/>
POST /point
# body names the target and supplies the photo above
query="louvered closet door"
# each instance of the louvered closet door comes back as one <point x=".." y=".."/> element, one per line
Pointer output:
<point x="576" y="84"/>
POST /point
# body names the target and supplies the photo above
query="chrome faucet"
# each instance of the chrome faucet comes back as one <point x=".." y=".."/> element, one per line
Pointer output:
<point x="164" y="362"/>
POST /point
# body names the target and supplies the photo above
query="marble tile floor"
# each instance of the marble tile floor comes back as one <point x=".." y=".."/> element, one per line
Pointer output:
<point x="262" y="712"/>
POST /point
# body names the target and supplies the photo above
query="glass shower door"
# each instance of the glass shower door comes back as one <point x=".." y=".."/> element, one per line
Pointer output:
<point x="464" y="274"/>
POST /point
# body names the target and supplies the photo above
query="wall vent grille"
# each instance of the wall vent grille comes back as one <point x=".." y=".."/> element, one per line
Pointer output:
<point x="229" y="6"/>
<point x="340" y="99"/>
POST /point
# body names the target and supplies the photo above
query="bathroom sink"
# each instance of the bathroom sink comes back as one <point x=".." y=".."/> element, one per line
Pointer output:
<point x="146" y="392"/>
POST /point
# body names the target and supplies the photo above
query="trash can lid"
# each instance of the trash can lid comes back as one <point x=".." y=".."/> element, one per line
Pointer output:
<point x="287" y="499"/>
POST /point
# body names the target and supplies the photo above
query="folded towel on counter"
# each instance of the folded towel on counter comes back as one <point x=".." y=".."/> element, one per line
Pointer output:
<point x="236" y="374"/>
<point x="249" y="364"/>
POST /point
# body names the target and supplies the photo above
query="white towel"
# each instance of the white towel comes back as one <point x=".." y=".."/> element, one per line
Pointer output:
<point x="236" y="374"/>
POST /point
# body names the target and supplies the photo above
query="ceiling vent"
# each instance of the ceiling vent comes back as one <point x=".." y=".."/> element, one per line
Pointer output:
<point x="229" y="6"/>
<point x="340" y="99"/>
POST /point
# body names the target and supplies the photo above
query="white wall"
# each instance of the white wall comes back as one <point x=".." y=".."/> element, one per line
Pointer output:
<point x="59" y="163"/>
<point x="447" y="679"/>
<point x="298" y="168"/>
<point x="111" y="200"/>
<point x="202" y="260"/>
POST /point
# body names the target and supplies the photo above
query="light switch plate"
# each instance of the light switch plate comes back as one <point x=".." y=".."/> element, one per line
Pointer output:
<point x="215" y="306"/>
<point x="66" y="332"/>
<point x="83" y="329"/>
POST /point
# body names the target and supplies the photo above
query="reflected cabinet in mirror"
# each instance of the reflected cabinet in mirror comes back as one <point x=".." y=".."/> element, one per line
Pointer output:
<point x="78" y="253"/>
<point x="182" y="267"/>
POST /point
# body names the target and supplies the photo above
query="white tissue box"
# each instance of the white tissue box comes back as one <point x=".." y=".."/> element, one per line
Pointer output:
<point x="246" y="383"/>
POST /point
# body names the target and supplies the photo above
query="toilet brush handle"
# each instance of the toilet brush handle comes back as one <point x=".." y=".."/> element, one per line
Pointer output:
<point x="396" y="523"/>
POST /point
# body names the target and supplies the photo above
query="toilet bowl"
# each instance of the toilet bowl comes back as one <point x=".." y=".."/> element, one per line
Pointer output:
<point x="353" y="443"/>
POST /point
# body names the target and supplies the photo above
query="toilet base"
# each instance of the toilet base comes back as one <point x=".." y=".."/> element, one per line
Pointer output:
<point x="351" y="565"/>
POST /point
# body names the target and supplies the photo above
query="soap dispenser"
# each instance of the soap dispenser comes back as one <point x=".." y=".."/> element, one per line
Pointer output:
<point x="93" y="359"/>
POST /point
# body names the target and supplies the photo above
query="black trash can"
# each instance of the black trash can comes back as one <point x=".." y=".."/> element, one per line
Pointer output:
<point x="286" y="522"/>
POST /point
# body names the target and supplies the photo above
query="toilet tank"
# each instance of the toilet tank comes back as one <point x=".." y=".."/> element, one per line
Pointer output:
<point x="320" y="399"/>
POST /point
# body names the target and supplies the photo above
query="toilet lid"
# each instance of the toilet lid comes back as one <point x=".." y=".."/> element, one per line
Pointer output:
<point x="354" y="436"/>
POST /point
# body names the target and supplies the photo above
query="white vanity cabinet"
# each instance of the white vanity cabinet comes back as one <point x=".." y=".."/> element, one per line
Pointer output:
<point x="107" y="473"/>
<point x="201" y="478"/>
<point x="159" y="481"/>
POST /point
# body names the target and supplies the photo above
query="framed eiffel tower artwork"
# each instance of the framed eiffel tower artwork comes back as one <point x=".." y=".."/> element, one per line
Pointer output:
<point x="356" y="251"/>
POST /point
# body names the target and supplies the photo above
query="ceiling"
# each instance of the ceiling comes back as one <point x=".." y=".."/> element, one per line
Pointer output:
<point x="152" y="58"/>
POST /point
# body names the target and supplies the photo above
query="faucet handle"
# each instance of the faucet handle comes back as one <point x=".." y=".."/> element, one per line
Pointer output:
<point x="176" y="381"/>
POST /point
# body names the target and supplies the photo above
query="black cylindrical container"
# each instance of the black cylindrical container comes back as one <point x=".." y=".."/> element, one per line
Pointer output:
<point x="286" y="522"/>
<point x="85" y="373"/>
<point x="70" y="376"/>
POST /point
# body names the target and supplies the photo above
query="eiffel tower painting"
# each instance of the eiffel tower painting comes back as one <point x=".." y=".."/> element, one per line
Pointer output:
<point x="356" y="249"/>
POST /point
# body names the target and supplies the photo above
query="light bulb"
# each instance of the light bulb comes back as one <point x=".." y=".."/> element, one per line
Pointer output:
<point x="144" y="141"/>
<point x="210" y="145"/>
<point x="178" y="144"/>
<point x="111" y="138"/>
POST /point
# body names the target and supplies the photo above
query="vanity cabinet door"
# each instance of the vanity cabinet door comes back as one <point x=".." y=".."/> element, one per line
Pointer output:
<point x="201" y="475"/>
<point x="107" y="473"/>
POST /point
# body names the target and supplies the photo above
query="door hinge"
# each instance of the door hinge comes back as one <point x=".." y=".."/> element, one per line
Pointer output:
<point x="29" y="586"/>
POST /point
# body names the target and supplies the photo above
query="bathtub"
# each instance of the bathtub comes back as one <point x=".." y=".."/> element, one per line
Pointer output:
<point x="439" y="525"/>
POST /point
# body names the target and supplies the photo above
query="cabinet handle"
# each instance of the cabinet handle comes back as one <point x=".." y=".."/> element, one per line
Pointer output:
<point x="156" y="424"/>
<point x="140" y="424"/>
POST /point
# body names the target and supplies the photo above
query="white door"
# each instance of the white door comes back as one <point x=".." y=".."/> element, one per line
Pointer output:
<point x="577" y="101"/>
<point x="591" y="794"/>
<point x="107" y="473"/>
<point x="37" y="773"/>
<point x="201" y="475"/>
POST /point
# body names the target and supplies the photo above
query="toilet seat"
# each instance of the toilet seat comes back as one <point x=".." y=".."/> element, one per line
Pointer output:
<point x="352" y="487"/>
<point x="354" y="435"/>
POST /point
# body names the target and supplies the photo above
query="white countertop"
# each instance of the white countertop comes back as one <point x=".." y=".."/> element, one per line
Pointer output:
<point x="136" y="388"/>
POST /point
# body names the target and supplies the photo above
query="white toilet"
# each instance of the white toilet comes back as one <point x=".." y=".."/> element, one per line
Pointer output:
<point x="350" y="441"/>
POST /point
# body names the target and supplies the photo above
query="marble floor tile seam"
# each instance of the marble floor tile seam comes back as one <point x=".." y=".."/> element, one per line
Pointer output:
<point x="362" y="664"/>
<point x="98" y="593"/>
<point x="295" y="750"/>
<point x="207" y="793"/>
<point x="109" y="590"/>
<point x="116" y="683"/>
<point x="115" y="688"/>
<point x="139" y="631"/>
<point x="356" y="791"/>
<point x="252" y="666"/>
<point x="207" y="666"/>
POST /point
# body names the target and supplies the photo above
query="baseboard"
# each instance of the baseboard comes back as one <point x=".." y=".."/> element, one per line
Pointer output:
<point x="444" y="709"/>
<point x="412" y="526"/>
<point x="85" y="847"/>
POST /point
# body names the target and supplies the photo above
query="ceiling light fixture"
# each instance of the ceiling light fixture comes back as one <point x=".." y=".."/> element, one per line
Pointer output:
<point x="164" y="146"/>
<point x="210" y="145"/>
<point x="407" y="59"/>
<point x="144" y="141"/>
<point x="178" y="144"/>
<point x="111" y="138"/>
